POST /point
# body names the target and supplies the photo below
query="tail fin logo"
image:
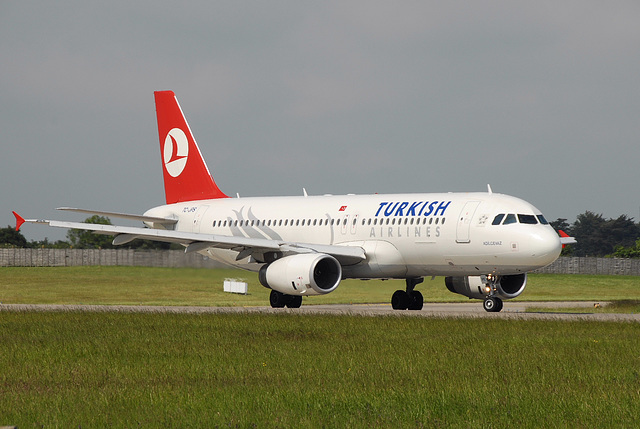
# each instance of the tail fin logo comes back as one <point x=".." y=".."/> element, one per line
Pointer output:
<point x="175" y="152"/>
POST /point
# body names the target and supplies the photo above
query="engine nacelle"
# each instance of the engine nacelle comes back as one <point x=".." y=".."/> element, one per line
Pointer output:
<point x="507" y="287"/>
<point x="304" y="274"/>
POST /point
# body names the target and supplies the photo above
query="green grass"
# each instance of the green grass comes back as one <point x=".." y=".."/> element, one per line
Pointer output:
<point x="171" y="286"/>
<point x="574" y="287"/>
<point x="624" y="306"/>
<point x="73" y="369"/>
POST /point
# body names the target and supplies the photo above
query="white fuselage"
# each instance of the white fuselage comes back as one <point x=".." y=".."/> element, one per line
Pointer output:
<point x="403" y="235"/>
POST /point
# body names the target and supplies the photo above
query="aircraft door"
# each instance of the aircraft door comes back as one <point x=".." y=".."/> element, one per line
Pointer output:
<point x="464" y="221"/>
<point x="197" y="218"/>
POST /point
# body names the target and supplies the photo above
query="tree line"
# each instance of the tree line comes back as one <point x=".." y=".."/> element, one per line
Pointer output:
<point x="596" y="236"/>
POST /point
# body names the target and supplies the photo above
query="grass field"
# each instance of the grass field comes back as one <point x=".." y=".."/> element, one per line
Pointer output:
<point x="167" y="286"/>
<point x="76" y="369"/>
<point x="73" y="369"/>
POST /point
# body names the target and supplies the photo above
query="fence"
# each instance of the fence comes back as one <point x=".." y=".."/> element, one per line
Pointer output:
<point x="79" y="257"/>
<point x="604" y="266"/>
<point x="178" y="259"/>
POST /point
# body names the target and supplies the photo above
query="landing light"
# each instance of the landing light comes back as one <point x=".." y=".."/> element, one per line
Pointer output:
<point x="487" y="289"/>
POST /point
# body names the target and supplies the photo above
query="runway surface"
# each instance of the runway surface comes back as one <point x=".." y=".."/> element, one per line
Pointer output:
<point x="511" y="310"/>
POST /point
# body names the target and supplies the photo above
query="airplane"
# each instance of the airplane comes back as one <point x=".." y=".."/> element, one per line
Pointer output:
<point x="483" y="243"/>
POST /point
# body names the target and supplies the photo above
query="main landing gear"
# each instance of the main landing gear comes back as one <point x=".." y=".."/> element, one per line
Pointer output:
<point x="280" y="300"/>
<point x="408" y="299"/>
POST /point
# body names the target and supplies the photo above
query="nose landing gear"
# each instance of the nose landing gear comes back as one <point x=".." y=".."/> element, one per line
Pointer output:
<point x="492" y="303"/>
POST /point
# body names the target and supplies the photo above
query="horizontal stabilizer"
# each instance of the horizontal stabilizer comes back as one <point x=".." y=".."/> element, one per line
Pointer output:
<point x="159" y="220"/>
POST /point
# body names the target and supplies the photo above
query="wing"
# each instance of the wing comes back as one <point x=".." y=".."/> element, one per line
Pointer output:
<point x="157" y="220"/>
<point x="194" y="242"/>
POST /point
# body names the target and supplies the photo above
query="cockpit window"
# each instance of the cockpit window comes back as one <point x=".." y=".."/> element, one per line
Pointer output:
<point x="511" y="218"/>
<point x="542" y="220"/>
<point x="527" y="219"/>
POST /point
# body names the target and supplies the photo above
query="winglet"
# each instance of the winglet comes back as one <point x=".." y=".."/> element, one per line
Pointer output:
<point x="19" y="221"/>
<point x="566" y="239"/>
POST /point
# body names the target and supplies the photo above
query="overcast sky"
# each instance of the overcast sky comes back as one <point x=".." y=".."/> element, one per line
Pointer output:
<point x="539" y="99"/>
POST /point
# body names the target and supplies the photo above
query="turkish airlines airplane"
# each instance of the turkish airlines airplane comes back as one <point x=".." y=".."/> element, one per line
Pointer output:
<point x="483" y="243"/>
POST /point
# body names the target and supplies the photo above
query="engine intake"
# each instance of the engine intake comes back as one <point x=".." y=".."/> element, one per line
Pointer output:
<point x="507" y="287"/>
<point x="304" y="274"/>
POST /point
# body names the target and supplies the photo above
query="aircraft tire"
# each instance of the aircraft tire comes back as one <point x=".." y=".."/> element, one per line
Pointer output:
<point x="400" y="300"/>
<point x="416" y="300"/>
<point x="294" y="301"/>
<point x="277" y="299"/>
<point x="492" y="304"/>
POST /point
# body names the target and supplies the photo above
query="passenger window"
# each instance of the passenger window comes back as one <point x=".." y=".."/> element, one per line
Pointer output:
<point x="511" y="218"/>
<point x="527" y="219"/>
<point x="497" y="219"/>
<point x="542" y="220"/>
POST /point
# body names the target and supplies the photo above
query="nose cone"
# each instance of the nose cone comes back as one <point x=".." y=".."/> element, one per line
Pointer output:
<point x="545" y="246"/>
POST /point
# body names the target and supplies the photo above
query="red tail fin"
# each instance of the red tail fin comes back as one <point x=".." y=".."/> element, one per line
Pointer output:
<point x="186" y="176"/>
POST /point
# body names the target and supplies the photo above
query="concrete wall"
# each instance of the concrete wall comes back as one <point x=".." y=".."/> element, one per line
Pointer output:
<point x="177" y="258"/>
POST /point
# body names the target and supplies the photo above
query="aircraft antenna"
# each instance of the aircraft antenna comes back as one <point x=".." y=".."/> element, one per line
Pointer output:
<point x="489" y="190"/>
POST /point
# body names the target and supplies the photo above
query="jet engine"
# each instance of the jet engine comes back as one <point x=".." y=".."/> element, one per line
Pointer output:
<point x="303" y="274"/>
<point x="479" y="287"/>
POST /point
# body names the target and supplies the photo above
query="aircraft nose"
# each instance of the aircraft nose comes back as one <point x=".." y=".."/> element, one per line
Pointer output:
<point x="545" y="246"/>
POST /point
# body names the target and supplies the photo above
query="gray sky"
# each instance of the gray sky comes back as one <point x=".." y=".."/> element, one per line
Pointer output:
<point x="539" y="99"/>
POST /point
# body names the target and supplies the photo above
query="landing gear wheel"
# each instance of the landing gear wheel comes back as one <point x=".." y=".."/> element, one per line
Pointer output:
<point x="400" y="300"/>
<point x="416" y="300"/>
<point x="492" y="304"/>
<point x="277" y="299"/>
<point x="294" y="301"/>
